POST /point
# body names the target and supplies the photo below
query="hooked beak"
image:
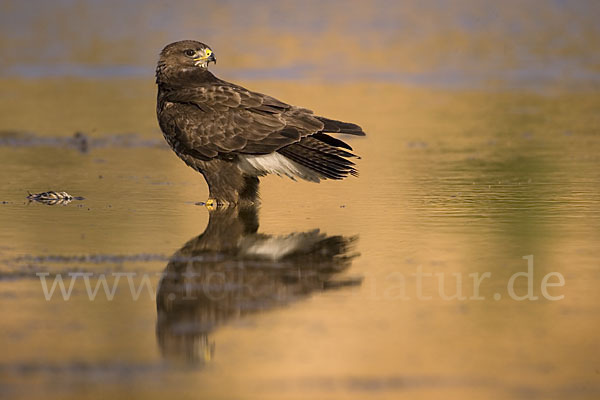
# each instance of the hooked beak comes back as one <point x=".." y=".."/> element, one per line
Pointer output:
<point x="211" y="58"/>
<point x="204" y="60"/>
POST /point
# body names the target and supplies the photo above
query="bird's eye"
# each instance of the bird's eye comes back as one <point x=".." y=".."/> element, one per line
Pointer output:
<point x="208" y="52"/>
<point x="189" y="53"/>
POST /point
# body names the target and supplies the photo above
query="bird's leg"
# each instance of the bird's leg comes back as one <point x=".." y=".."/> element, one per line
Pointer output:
<point x="227" y="185"/>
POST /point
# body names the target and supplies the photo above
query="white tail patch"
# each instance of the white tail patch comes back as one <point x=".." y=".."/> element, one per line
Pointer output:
<point x="276" y="163"/>
<point x="277" y="247"/>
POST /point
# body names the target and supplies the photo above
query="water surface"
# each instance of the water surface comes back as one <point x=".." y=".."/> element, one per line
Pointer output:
<point x="481" y="161"/>
<point x="452" y="183"/>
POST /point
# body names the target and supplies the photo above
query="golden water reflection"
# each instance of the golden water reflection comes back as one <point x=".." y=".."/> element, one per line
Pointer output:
<point x="451" y="182"/>
<point x="230" y="271"/>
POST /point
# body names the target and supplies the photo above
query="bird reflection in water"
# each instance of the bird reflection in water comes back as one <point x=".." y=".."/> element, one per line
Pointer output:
<point x="230" y="271"/>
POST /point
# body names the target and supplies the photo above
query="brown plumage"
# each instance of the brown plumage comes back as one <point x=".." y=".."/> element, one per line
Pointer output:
<point x="232" y="135"/>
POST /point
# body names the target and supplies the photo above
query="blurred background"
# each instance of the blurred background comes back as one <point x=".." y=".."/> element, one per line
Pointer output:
<point x="482" y="147"/>
<point x="432" y="42"/>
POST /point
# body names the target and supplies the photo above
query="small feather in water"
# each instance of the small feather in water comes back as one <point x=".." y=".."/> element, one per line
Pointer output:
<point x="53" y="198"/>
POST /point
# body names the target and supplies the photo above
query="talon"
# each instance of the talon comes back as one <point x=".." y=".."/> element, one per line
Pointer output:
<point x="216" y="204"/>
<point x="212" y="204"/>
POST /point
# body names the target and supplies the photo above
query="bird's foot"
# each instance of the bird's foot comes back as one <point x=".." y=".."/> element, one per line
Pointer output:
<point x="215" y="204"/>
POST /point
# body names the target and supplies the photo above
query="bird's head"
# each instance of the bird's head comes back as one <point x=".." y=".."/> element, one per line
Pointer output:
<point x="186" y="54"/>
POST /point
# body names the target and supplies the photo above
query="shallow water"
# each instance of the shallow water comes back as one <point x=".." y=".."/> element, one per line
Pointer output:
<point x="481" y="162"/>
<point x="452" y="183"/>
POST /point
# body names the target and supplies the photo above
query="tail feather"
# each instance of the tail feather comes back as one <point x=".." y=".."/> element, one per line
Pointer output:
<point x="331" y="140"/>
<point x="300" y="156"/>
<point x="318" y="154"/>
<point x="334" y="126"/>
<point x="312" y="143"/>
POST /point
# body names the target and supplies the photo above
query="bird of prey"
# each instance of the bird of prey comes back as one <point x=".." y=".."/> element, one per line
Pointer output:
<point x="232" y="135"/>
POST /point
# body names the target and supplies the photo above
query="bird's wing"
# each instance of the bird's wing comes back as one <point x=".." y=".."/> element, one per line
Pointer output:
<point x="222" y="118"/>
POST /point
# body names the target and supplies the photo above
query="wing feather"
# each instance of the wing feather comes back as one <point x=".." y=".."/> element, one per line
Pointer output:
<point x="219" y="118"/>
<point x="222" y="118"/>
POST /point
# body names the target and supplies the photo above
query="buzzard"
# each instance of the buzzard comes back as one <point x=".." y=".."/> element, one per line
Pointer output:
<point x="232" y="135"/>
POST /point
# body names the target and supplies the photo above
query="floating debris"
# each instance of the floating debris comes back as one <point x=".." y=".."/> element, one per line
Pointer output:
<point x="52" y="198"/>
